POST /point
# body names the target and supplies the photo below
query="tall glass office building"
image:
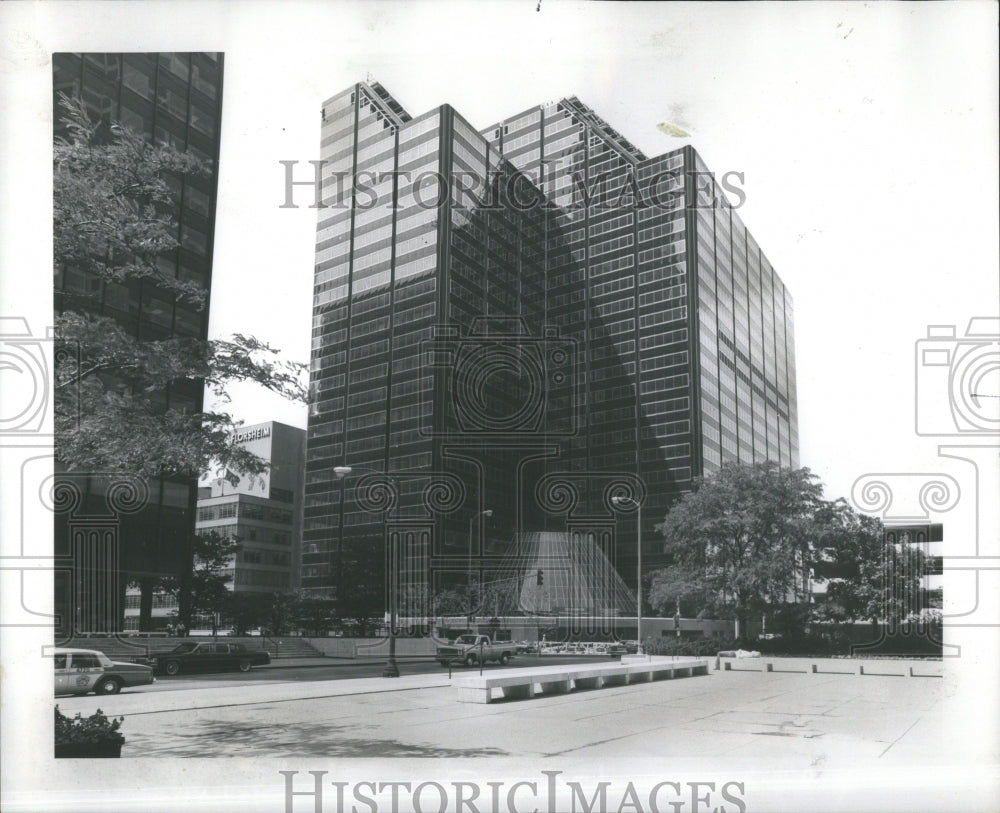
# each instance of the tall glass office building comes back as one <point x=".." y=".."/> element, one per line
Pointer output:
<point x="532" y="319"/>
<point x="173" y="98"/>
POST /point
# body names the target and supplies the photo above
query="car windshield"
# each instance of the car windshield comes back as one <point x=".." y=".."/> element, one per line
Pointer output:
<point x="188" y="647"/>
<point x="466" y="639"/>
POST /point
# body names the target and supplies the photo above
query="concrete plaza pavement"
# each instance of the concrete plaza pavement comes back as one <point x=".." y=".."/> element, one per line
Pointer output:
<point x="800" y="721"/>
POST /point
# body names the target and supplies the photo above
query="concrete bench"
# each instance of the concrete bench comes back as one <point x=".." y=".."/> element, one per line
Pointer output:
<point x="830" y="666"/>
<point x="522" y="683"/>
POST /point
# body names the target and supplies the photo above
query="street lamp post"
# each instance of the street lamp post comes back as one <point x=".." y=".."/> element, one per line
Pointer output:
<point x="487" y="513"/>
<point x="391" y="670"/>
<point x="623" y="501"/>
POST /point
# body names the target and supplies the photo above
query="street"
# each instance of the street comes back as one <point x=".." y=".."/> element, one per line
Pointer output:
<point x="315" y="669"/>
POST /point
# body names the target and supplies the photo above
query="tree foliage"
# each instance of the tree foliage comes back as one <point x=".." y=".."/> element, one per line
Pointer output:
<point x="204" y="590"/>
<point x="745" y="541"/>
<point x="866" y="577"/>
<point x="112" y="199"/>
<point x="741" y="539"/>
<point x="314" y="614"/>
<point x="113" y="223"/>
<point x="455" y="601"/>
<point x="280" y="616"/>
<point x="247" y="611"/>
<point x="274" y="613"/>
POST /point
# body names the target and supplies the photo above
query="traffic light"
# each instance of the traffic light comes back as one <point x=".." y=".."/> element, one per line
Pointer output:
<point x="540" y="578"/>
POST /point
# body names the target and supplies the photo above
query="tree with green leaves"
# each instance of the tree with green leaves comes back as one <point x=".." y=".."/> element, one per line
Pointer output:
<point x="115" y="229"/>
<point x="247" y="610"/>
<point x="204" y="589"/>
<point x="113" y="224"/>
<point x="866" y="577"/>
<point x="315" y="614"/>
<point x="742" y="541"/>
<point x="274" y="613"/>
<point x="454" y="601"/>
<point x="280" y="616"/>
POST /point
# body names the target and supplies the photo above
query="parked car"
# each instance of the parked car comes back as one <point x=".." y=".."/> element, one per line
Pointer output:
<point x="79" y="671"/>
<point x="209" y="657"/>
<point x="467" y="649"/>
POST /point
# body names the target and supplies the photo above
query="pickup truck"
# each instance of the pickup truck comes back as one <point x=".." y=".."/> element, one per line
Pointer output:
<point x="466" y="649"/>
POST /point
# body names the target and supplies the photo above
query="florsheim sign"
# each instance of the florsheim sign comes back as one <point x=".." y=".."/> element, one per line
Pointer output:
<point x="253" y="434"/>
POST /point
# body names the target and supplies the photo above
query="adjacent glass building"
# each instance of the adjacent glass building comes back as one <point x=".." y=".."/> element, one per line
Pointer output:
<point x="173" y="98"/>
<point x="527" y="320"/>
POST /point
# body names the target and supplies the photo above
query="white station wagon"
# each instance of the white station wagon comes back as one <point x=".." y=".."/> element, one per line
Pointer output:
<point x="79" y="671"/>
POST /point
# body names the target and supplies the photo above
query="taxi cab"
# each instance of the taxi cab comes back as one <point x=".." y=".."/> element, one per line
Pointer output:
<point x="80" y="671"/>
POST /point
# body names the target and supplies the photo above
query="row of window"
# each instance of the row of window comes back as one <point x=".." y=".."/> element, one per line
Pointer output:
<point x="247" y="510"/>
<point x="263" y="578"/>
<point x="257" y="556"/>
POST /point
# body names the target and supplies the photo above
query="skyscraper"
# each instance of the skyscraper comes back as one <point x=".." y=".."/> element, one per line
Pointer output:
<point x="173" y="98"/>
<point x="535" y="318"/>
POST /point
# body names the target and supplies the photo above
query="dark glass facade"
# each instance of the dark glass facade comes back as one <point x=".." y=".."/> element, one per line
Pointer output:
<point x="172" y="98"/>
<point x="571" y="321"/>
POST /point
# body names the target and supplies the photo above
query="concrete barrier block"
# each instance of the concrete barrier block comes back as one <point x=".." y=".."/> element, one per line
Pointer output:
<point x="468" y="694"/>
<point x="519" y="692"/>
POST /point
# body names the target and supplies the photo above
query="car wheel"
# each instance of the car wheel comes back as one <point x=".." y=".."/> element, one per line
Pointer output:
<point x="504" y="659"/>
<point x="172" y="667"/>
<point x="470" y="660"/>
<point x="244" y="665"/>
<point x="108" y="686"/>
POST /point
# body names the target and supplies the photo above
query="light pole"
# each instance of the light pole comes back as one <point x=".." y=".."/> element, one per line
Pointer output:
<point x="391" y="670"/>
<point x="487" y="513"/>
<point x="623" y="501"/>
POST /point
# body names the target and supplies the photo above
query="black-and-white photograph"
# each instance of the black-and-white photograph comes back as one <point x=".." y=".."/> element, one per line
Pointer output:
<point x="539" y="406"/>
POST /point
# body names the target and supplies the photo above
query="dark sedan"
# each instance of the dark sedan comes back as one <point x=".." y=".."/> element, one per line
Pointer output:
<point x="209" y="657"/>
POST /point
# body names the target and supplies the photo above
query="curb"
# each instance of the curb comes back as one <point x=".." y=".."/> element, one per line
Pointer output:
<point x="277" y="664"/>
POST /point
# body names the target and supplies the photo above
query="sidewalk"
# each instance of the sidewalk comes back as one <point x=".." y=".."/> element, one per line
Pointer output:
<point x="243" y="694"/>
<point x="799" y="721"/>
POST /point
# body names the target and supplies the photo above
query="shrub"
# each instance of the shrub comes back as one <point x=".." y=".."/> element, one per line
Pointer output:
<point x="94" y="730"/>
<point x="689" y="645"/>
